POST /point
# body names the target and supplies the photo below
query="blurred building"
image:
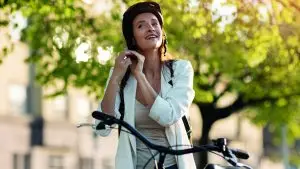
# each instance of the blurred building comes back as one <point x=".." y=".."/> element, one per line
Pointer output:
<point x="40" y="133"/>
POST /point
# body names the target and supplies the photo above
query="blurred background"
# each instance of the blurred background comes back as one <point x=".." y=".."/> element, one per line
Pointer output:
<point x="54" y="61"/>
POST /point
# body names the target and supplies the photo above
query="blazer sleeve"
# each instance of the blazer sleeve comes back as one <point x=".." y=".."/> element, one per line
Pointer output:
<point x="106" y="132"/>
<point x="168" y="110"/>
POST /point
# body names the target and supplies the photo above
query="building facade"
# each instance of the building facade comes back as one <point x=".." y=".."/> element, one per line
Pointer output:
<point x="38" y="132"/>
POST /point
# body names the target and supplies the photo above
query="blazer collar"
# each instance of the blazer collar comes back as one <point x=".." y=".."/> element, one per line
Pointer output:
<point x="165" y="81"/>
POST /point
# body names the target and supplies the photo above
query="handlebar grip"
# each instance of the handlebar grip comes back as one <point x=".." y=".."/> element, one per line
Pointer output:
<point x="101" y="116"/>
<point x="240" y="153"/>
<point x="105" y="119"/>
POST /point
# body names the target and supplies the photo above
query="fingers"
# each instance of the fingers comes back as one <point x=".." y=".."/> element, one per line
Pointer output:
<point x="125" y="58"/>
<point x="126" y="61"/>
<point x="138" y="55"/>
<point x="122" y="57"/>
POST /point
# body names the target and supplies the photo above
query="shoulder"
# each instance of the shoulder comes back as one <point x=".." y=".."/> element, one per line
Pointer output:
<point x="181" y="66"/>
<point x="182" y="63"/>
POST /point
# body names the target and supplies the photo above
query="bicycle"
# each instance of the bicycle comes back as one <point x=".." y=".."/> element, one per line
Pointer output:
<point x="219" y="145"/>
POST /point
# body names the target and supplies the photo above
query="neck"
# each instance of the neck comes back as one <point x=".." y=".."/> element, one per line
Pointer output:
<point x="152" y="63"/>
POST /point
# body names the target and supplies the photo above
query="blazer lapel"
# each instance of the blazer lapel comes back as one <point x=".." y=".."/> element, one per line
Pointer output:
<point x="129" y="100"/>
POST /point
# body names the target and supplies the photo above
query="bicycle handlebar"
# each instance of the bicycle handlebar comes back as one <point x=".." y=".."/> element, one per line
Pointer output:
<point x="220" y="144"/>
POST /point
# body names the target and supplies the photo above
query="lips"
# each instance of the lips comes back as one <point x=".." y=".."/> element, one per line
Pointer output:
<point x="150" y="36"/>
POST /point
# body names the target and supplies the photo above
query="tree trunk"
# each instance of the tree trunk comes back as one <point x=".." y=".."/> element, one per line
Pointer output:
<point x="203" y="157"/>
<point x="210" y="114"/>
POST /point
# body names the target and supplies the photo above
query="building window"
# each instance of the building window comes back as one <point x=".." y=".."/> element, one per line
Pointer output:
<point x="17" y="96"/>
<point x="21" y="161"/>
<point x="86" y="163"/>
<point x="55" y="162"/>
<point x="60" y="107"/>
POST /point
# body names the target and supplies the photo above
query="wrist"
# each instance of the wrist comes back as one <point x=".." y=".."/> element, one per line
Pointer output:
<point x="140" y="76"/>
<point x="115" y="80"/>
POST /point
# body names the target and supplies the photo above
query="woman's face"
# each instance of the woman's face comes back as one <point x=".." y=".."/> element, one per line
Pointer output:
<point x="147" y="31"/>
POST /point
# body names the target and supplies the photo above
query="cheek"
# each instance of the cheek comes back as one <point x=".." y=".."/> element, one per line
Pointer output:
<point x="160" y="34"/>
<point x="161" y="39"/>
<point x="138" y="36"/>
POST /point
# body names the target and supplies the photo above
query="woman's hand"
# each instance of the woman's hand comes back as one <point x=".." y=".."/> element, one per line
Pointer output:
<point x="121" y="64"/>
<point x="137" y="63"/>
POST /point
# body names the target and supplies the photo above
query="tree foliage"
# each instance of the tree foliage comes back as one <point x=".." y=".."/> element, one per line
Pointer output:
<point x="55" y="30"/>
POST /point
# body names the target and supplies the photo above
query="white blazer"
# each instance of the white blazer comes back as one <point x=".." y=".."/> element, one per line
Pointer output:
<point x="167" y="110"/>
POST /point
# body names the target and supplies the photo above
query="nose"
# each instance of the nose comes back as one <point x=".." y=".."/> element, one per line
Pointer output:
<point x="150" y="28"/>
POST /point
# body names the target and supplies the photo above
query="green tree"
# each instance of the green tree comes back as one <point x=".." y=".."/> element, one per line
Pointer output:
<point x="255" y="57"/>
<point x="251" y="54"/>
<point x="56" y="29"/>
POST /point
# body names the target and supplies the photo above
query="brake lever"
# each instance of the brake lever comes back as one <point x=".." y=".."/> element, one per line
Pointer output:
<point x="100" y="126"/>
<point x="86" y="124"/>
<point x="244" y="165"/>
<point x="237" y="164"/>
<point x="229" y="156"/>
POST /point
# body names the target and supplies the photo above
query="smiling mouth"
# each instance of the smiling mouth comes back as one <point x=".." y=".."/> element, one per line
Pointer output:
<point x="151" y="37"/>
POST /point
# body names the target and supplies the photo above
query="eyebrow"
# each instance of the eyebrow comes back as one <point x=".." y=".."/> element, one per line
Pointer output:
<point x="142" y="21"/>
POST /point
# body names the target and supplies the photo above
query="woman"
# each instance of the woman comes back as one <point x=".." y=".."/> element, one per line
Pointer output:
<point x="155" y="92"/>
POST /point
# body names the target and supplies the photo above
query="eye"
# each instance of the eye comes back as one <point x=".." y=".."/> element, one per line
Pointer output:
<point x="140" y="25"/>
<point x="154" y="24"/>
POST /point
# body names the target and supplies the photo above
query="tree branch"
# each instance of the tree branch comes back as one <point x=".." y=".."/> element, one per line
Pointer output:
<point x="240" y="103"/>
